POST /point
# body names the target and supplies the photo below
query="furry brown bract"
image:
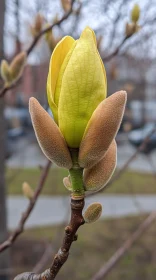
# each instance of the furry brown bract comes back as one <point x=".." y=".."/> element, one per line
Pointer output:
<point x="93" y="212"/>
<point x="49" y="136"/>
<point x="101" y="129"/>
<point x="96" y="178"/>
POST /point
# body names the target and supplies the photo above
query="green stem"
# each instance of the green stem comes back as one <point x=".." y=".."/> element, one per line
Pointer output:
<point x="76" y="174"/>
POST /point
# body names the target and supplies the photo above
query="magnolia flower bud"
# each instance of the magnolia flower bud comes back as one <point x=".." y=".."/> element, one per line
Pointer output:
<point x="76" y="84"/>
<point x="5" y="72"/>
<point x="93" y="212"/>
<point x="135" y="13"/>
<point x="27" y="190"/>
<point x="17" y="65"/>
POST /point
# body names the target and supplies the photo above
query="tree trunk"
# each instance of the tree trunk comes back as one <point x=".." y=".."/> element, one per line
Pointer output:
<point x="4" y="257"/>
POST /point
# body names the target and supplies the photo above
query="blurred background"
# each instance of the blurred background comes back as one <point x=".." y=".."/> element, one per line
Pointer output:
<point x="129" y="56"/>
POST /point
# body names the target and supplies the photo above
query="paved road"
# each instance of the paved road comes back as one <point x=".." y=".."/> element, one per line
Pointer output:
<point x="54" y="210"/>
<point x="28" y="154"/>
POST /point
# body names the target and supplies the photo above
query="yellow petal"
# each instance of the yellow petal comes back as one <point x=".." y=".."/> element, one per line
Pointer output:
<point x="49" y="136"/>
<point x="103" y="68"/>
<point x="83" y="88"/>
<point x="56" y="61"/>
<point x="102" y="129"/>
<point x="98" y="176"/>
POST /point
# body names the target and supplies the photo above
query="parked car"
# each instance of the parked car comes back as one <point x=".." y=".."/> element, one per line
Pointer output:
<point x="137" y="136"/>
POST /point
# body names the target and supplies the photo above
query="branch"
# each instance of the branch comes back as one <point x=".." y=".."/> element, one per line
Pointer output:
<point x="116" y="51"/>
<point x="141" y="148"/>
<point x="50" y="249"/>
<point x="35" y="41"/>
<point x="104" y="271"/>
<point x="6" y="244"/>
<point x="69" y="236"/>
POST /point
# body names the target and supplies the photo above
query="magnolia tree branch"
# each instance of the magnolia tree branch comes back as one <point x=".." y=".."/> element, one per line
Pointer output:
<point x="19" y="229"/>
<point x="140" y="149"/>
<point x="60" y="258"/>
<point x="35" y="41"/>
<point x="104" y="271"/>
<point x="116" y="51"/>
<point x="50" y="248"/>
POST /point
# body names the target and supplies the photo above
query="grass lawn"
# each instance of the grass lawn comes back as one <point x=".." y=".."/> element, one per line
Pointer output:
<point x="95" y="245"/>
<point x="129" y="182"/>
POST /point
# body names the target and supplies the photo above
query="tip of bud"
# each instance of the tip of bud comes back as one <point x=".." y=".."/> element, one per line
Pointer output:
<point x="93" y="212"/>
<point x="135" y="13"/>
<point x="5" y="71"/>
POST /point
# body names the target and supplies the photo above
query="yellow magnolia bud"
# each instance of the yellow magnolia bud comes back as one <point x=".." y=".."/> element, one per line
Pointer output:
<point x="17" y="65"/>
<point x="76" y="84"/>
<point x="93" y="212"/>
<point x="135" y="13"/>
<point x="86" y="122"/>
<point x="5" y="72"/>
<point x="27" y="190"/>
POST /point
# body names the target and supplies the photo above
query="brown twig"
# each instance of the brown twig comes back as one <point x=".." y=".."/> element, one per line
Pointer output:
<point x="141" y="148"/>
<point x="116" y="51"/>
<point x="103" y="272"/>
<point x="35" y="41"/>
<point x="7" y="243"/>
<point x="127" y="163"/>
<point x="69" y="236"/>
<point x="50" y="249"/>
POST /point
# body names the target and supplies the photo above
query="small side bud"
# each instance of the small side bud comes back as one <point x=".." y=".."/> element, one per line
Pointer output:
<point x="131" y="28"/>
<point x="93" y="212"/>
<point x="5" y="72"/>
<point x="17" y="65"/>
<point x="27" y="190"/>
<point x="135" y="13"/>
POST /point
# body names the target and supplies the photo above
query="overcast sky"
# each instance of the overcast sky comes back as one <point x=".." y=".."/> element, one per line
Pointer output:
<point x="94" y="13"/>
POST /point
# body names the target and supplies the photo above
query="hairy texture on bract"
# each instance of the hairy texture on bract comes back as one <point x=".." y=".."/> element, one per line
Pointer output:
<point x="98" y="176"/>
<point x="93" y="212"/>
<point x="102" y="129"/>
<point x="49" y="136"/>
